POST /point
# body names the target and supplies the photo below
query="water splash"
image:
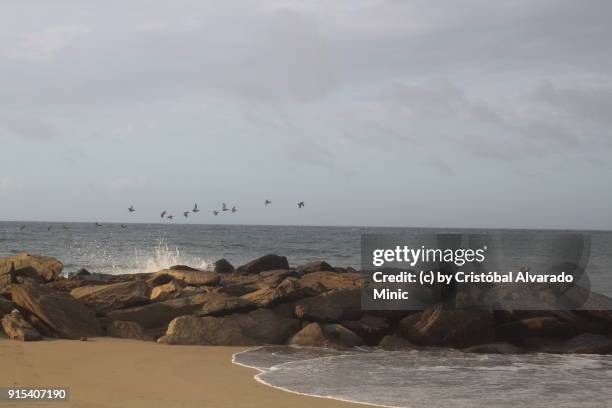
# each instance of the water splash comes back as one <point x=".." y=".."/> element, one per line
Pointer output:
<point x="163" y="257"/>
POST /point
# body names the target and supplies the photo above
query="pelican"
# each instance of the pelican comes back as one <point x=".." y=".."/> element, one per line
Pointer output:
<point x="234" y="209"/>
<point x="186" y="214"/>
<point x="300" y="204"/>
<point x="215" y="212"/>
<point x="170" y="217"/>
<point x="224" y="207"/>
<point x="268" y="202"/>
<point x="123" y="226"/>
<point x="195" y="208"/>
<point x="163" y="214"/>
<point x="131" y="209"/>
<point x="49" y="227"/>
<point x="22" y="228"/>
<point x="98" y="224"/>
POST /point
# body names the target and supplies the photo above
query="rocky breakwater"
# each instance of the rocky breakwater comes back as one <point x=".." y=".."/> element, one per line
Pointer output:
<point x="268" y="302"/>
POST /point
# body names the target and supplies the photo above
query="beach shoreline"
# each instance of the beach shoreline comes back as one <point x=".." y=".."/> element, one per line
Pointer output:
<point x="108" y="372"/>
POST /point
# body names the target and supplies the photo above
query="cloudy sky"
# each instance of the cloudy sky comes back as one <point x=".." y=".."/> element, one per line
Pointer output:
<point x="399" y="113"/>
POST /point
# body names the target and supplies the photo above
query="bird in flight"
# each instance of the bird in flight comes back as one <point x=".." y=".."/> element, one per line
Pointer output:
<point x="215" y="212"/>
<point x="170" y="217"/>
<point x="234" y="209"/>
<point x="224" y="207"/>
<point x="49" y="227"/>
<point x="163" y="214"/>
<point x="195" y="208"/>
<point x="186" y="214"/>
<point x="131" y="209"/>
<point x="300" y="204"/>
<point x="22" y="228"/>
<point x="123" y="226"/>
<point x="98" y="224"/>
<point x="268" y="202"/>
<point x="65" y="227"/>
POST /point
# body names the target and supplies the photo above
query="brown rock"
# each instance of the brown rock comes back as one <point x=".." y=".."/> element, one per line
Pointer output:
<point x="222" y="266"/>
<point x="494" y="348"/>
<point x="259" y="327"/>
<point x="450" y="328"/>
<point x="44" y="268"/>
<point x="585" y="343"/>
<point x="6" y="306"/>
<point x="325" y="335"/>
<point x="316" y="266"/>
<point x="290" y="289"/>
<point x="170" y="290"/>
<point x="61" y="312"/>
<point x="333" y="306"/>
<point x="104" y="298"/>
<point x="126" y="330"/>
<point x="220" y="304"/>
<point x="395" y="342"/>
<point x="265" y="263"/>
<point x="536" y="326"/>
<point x="17" y="328"/>
<point x="188" y="277"/>
<point x="370" y="328"/>
<point x="323" y="281"/>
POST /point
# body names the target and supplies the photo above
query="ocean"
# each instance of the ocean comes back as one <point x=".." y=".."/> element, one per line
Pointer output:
<point x="415" y="379"/>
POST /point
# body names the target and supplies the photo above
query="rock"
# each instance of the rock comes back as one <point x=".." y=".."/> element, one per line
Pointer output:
<point x="536" y="326"/>
<point x="316" y="266"/>
<point x="157" y="315"/>
<point x="170" y="290"/>
<point x="222" y="266"/>
<point x="183" y="268"/>
<point x="188" y="277"/>
<point x="370" y="328"/>
<point x="83" y="339"/>
<point x="449" y="328"/>
<point x="290" y="289"/>
<point x="395" y="342"/>
<point x="43" y="268"/>
<point x="82" y="272"/>
<point x="585" y="343"/>
<point x="61" y="312"/>
<point x="265" y="263"/>
<point x="256" y="328"/>
<point x="126" y="330"/>
<point x="104" y="298"/>
<point x="41" y="326"/>
<point x="220" y="304"/>
<point x="323" y="281"/>
<point x="325" y="335"/>
<point x="333" y="306"/>
<point x="5" y="306"/>
<point x="17" y="328"/>
<point x="494" y="348"/>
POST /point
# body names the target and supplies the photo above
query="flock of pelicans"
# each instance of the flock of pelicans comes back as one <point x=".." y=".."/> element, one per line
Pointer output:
<point x="166" y="215"/>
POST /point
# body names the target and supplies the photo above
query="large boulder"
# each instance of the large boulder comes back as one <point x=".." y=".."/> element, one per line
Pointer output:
<point x="188" y="277"/>
<point x="222" y="266"/>
<point x="450" y="328"/>
<point x="331" y="307"/>
<point x="325" y="335"/>
<point x="220" y="304"/>
<point x="126" y="330"/>
<point x="265" y="263"/>
<point x="315" y="266"/>
<point x="42" y="268"/>
<point x="6" y="306"/>
<point x="17" y="328"/>
<point x="104" y="298"/>
<point x="323" y="281"/>
<point x="170" y="290"/>
<point x="290" y="289"/>
<point x="395" y="342"/>
<point x="65" y="315"/>
<point x="370" y="328"/>
<point x="256" y="328"/>
<point x="536" y="326"/>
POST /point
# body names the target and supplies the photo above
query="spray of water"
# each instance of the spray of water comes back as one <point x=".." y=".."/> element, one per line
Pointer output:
<point x="163" y="257"/>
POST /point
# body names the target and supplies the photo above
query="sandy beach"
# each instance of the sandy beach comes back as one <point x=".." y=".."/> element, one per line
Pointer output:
<point x="106" y="372"/>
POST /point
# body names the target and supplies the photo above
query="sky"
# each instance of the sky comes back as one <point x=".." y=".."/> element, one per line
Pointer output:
<point x="389" y="113"/>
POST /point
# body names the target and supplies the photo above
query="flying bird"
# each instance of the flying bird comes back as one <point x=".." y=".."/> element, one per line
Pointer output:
<point x="131" y="209"/>
<point x="215" y="212"/>
<point x="123" y="226"/>
<point x="234" y="209"/>
<point x="163" y="214"/>
<point x="98" y="224"/>
<point x="170" y="217"/>
<point x="195" y="208"/>
<point x="22" y="228"/>
<point x="186" y="214"/>
<point x="224" y="207"/>
<point x="49" y="227"/>
<point x="268" y="202"/>
<point x="300" y="204"/>
<point x="65" y="227"/>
